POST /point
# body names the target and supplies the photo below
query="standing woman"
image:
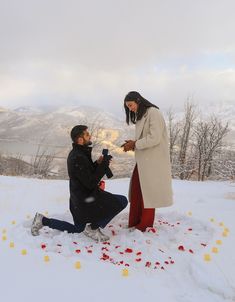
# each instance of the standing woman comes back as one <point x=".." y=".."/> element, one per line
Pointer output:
<point x="150" y="185"/>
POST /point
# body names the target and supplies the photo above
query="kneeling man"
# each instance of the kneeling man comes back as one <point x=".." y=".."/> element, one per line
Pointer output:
<point x="92" y="208"/>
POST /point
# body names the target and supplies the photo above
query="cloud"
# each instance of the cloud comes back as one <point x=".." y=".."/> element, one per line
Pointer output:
<point x="94" y="52"/>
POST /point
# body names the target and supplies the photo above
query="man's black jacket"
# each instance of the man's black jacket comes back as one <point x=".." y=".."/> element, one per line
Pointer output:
<point x="88" y="203"/>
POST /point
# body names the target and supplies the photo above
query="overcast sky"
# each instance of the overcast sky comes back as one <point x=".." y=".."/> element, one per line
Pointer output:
<point x="72" y="52"/>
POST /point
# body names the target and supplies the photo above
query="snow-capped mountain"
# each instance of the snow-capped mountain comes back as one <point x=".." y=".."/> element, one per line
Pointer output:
<point x="31" y="124"/>
<point x="24" y="129"/>
<point x="52" y="126"/>
<point x="29" y="110"/>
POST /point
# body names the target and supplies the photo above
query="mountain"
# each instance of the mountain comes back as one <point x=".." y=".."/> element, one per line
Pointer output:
<point x="29" y="110"/>
<point x="33" y="124"/>
<point x="52" y="126"/>
<point x="28" y="132"/>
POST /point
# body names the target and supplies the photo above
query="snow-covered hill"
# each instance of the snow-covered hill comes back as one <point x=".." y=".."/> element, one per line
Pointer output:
<point x="32" y="124"/>
<point x="168" y="263"/>
<point x="23" y="129"/>
<point x="27" y="124"/>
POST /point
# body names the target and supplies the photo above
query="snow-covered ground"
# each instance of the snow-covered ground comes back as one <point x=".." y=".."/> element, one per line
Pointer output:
<point x="167" y="263"/>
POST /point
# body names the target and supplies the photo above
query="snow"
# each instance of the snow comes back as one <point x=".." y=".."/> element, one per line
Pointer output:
<point x="165" y="263"/>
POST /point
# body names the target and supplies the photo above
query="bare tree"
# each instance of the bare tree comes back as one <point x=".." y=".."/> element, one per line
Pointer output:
<point x="208" y="139"/>
<point x="174" y="131"/>
<point x="187" y="124"/>
<point x="95" y="125"/>
<point x="224" y="165"/>
<point x="18" y="165"/>
<point x="14" y="165"/>
<point x="42" y="162"/>
<point x="1" y="164"/>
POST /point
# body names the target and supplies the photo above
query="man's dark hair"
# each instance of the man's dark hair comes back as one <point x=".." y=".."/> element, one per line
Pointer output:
<point x="77" y="131"/>
<point x="143" y="105"/>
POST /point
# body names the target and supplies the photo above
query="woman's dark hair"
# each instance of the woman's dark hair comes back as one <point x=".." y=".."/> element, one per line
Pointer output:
<point x="143" y="105"/>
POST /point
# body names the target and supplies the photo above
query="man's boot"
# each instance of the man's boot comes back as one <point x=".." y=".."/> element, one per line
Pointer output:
<point x="37" y="224"/>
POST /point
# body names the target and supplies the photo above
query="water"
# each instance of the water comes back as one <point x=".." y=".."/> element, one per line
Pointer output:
<point x="14" y="148"/>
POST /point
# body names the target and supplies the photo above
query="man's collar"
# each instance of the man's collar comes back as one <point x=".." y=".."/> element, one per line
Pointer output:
<point x="84" y="148"/>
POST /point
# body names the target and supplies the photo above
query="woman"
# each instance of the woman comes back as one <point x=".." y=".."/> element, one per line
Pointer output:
<point x="150" y="185"/>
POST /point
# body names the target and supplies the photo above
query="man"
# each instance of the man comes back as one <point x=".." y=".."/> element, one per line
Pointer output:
<point x="91" y="207"/>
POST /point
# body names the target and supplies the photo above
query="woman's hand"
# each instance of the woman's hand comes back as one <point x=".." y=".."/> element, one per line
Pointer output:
<point x="129" y="145"/>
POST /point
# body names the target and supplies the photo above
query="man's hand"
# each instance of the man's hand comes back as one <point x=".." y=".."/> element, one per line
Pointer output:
<point x="100" y="159"/>
<point x="129" y="145"/>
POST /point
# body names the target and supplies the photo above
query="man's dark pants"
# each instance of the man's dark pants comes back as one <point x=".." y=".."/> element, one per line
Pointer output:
<point x="78" y="228"/>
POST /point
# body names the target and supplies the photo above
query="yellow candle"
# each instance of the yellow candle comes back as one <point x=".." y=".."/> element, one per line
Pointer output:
<point x="207" y="257"/>
<point x="11" y="245"/>
<point x="125" y="272"/>
<point x="46" y="258"/>
<point x="215" y="250"/>
<point x="77" y="265"/>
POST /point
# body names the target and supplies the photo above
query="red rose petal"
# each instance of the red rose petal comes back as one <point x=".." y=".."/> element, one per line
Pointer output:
<point x="43" y="246"/>
<point x="105" y="257"/>
<point x="191" y="251"/>
<point x="148" y="264"/>
<point x="78" y="251"/>
<point x="128" y="250"/>
<point x="138" y="259"/>
<point x="138" y="253"/>
<point x="157" y="263"/>
<point x="181" y="248"/>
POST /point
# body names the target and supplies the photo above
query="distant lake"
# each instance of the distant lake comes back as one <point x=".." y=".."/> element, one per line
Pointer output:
<point x="26" y="148"/>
